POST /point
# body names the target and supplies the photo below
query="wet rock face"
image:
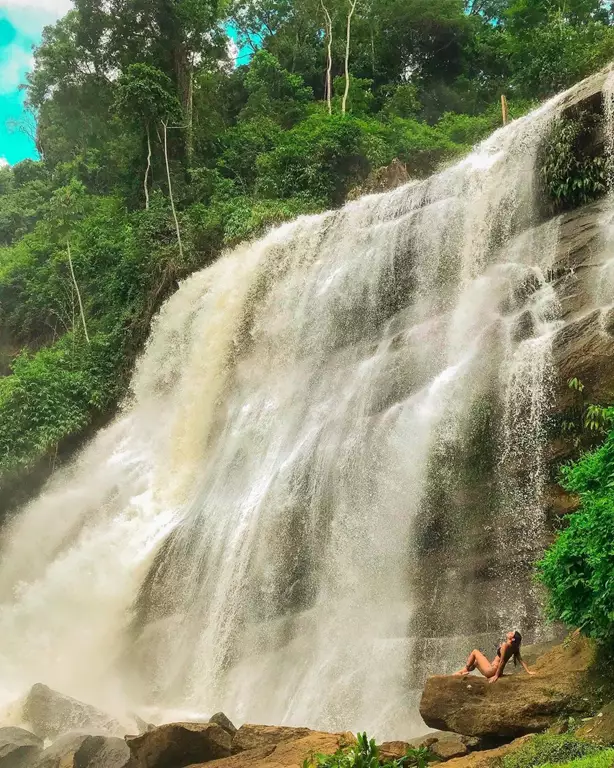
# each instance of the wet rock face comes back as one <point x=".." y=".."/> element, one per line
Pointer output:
<point x="18" y="748"/>
<point x="51" y="714"/>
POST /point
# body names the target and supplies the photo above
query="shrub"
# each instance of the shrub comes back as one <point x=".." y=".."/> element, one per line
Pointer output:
<point x="578" y="569"/>
<point x="365" y="754"/>
<point x="570" y="174"/>
<point x="548" y="748"/>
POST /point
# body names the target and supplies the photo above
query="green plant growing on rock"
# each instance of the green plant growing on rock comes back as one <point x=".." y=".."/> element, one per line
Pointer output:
<point x="585" y="422"/>
<point x="571" y="174"/>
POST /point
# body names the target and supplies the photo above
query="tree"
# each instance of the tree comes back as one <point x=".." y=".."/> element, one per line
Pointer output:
<point x="144" y="94"/>
<point x="328" y="23"/>
<point x="352" y="8"/>
<point x="67" y="205"/>
<point x="274" y="92"/>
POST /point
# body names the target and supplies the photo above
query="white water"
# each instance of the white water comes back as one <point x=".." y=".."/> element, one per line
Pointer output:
<point x="302" y="421"/>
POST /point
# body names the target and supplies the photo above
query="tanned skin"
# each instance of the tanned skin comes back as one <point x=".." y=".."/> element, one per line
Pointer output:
<point x="492" y="670"/>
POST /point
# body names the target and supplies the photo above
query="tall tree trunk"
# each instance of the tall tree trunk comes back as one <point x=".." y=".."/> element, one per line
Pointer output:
<point x="189" y="145"/>
<point x="329" y="58"/>
<point x="347" y="56"/>
<point x="170" y="189"/>
<point x="146" y="179"/>
<point x="74" y="279"/>
<point x="184" y="73"/>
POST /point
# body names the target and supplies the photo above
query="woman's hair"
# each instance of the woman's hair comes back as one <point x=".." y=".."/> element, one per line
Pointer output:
<point x="515" y="649"/>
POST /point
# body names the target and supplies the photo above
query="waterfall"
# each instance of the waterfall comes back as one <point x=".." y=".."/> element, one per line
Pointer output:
<point x="326" y="481"/>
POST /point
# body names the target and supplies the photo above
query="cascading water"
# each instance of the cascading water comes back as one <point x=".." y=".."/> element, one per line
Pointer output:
<point x="314" y="495"/>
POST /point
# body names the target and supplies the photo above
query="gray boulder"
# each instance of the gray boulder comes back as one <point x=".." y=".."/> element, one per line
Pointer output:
<point x="51" y="714"/>
<point x="18" y="747"/>
<point x="82" y="750"/>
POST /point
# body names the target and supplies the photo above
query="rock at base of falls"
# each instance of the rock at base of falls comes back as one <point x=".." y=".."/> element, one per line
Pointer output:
<point x="251" y="736"/>
<point x="224" y="722"/>
<point x="599" y="729"/>
<point x="489" y="757"/>
<point x="51" y="714"/>
<point x="517" y="704"/>
<point x="82" y="750"/>
<point x="292" y="752"/>
<point x="18" y="747"/>
<point x="175" y="745"/>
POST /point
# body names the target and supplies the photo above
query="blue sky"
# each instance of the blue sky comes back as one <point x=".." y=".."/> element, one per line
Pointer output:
<point x="21" y="26"/>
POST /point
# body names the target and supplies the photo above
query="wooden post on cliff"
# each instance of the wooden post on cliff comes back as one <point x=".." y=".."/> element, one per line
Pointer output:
<point x="504" y="109"/>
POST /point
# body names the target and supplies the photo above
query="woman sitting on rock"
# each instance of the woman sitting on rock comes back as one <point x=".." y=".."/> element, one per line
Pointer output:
<point x="494" y="670"/>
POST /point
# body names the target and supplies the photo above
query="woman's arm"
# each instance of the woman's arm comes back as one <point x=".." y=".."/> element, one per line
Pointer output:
<point x="526" y="669"/>
<point x="502" y="662"/>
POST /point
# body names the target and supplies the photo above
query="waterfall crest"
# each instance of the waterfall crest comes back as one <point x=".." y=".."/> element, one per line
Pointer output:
<point x="327" y="480"/>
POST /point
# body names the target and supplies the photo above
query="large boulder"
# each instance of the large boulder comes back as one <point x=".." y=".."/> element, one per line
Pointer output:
<point x="51" y="714"/>
<point x="516" y="704"/>
<point x="291" y="752"/>
<point x="18" y="747"/>
<point x="178" y="744"/>
<point x="251" y="736"/>
<point x="82" y="750"/>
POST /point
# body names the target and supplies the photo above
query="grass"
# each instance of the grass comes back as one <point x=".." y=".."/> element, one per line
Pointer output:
<point x="549" y="749"/>
<point x="603" y="759"/>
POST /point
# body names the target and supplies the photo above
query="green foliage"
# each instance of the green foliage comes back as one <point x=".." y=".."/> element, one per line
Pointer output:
<point x="585" y="420"/>
<point x="319" y="159"/>
<point x="274" y="93"/>
<point x="551" y="749"/>
<point x="365" y="754"/>
<point x="571" y="175"/>
<point x="604" y="759"/>
<point x="144" y="93"/>
<point x="578" y="569"/>
<point x="54" y="393"/>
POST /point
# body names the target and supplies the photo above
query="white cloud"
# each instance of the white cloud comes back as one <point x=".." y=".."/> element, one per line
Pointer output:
<point x="14" y="64"/>
<point x="3" y="162"/>
<point x="30" y="16"/>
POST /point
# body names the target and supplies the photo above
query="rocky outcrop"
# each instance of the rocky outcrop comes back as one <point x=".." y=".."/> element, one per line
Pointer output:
<point x="51" y="714"/>
<point x="224" y="722"/>
<point x="18" y="747"/>
<point x="599" y="729"/>
<point x="290" y="752"/>
<point x="516" y="704"/>
<point x="81" y="750"/>
<point x="255" y="736"/>
<point x="489" y="758"/>
<point x="178" y="744"/>
<point x="382" y="180"/>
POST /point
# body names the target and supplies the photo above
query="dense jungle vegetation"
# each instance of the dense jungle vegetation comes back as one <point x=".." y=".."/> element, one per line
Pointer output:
<point x="157" y="151"/>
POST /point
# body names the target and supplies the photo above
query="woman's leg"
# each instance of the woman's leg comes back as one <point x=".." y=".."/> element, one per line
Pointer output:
<point x="477" y="659"/>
